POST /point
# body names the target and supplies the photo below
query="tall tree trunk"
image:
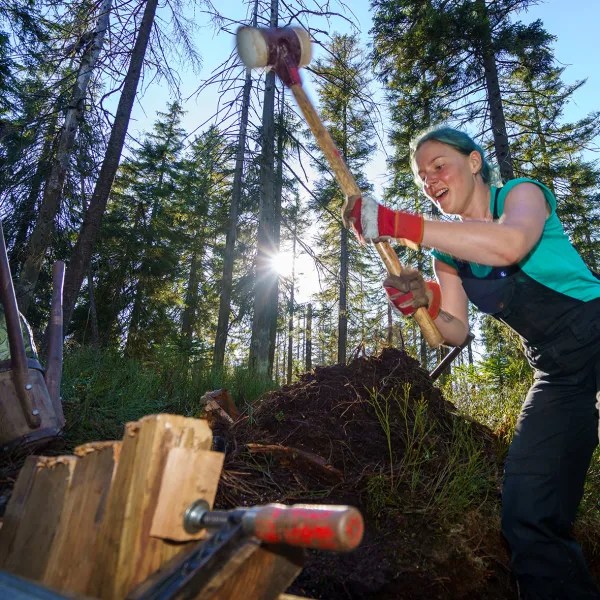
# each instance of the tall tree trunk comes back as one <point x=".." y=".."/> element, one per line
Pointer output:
<point x="492" y="83"/>
<point x="91" y="223"/>
<point x="443" y="352"/>
<point x="422" y="342"/>
<point x="274" y="302"/>
<point x="291" y="310"/>
<point x="44" y="227"/>
<point x="27" y="209"/>
<point x="260" y="344"/>
<point x="93" y="311"/>
<point x="93" y="314"/>
<point x="390" y="325"/>
<point x="228" y="258"/>
<point x="343" y="302"/>
<point x="191" y="300"/>
<point x="308" y="353"/>
<point x="298" y="337"/>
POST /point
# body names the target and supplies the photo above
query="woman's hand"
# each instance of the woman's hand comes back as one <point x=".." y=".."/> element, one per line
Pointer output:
<point x="409" y="291"/>
<point x="373" y="222"/>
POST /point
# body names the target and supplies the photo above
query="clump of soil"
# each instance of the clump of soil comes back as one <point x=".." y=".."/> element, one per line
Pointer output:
<point x="377" y="434"/>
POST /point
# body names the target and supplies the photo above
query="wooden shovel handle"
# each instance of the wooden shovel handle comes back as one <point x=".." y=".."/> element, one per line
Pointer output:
<point x="348" y="184"/>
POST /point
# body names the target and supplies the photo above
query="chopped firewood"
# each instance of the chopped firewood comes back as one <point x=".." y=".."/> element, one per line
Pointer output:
<point x="215" y="415"/>
<point x="223" y="400"/>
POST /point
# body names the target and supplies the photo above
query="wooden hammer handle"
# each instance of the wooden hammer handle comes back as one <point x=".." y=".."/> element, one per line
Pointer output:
<point x="348" y="184"/>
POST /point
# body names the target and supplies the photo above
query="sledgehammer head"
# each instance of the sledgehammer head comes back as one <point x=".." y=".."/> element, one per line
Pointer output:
<point x="284" y="50"/>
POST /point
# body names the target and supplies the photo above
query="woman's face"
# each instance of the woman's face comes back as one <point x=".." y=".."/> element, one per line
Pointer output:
<point x="448" y="176"/>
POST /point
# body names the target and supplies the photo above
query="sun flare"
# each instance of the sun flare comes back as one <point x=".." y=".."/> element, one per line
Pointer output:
<point x="282" y="263"/>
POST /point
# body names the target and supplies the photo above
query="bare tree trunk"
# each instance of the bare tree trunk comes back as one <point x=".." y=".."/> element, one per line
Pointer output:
<point x="443" y="352"/>
<point x="291" y="310"/>
<point x="93" y="311"/>
<point x="390" y="325"/>
<point x="191" y="300"/>
<point x="228" y="258"/>
<point x="91" y="224"/>
<point x="277" y="360"/>
<point x="498" y="122"/>
<point x="308" y="363"/>
<point x="274" y="302"/>
<point x="17" y="255"/>
<point x="343" y="303"/>
<point x="260" y="344"/>
<point x="44" y="227"/>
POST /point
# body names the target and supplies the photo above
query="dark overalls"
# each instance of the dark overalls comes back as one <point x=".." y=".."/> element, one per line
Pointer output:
<point x="557" y="430"/>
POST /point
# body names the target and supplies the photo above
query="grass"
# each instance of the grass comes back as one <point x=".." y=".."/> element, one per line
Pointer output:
<point x="102" y="390"/>
<point x="444" y="470"/>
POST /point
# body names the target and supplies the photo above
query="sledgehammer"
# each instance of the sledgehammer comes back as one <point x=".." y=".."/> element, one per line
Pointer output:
<point x="286" y="50"/>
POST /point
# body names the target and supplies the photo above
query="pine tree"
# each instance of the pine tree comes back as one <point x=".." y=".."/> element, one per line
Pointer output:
<point x="458" y="54"/>
<point x="344" y="106"/>
<point x="150" y="178"/>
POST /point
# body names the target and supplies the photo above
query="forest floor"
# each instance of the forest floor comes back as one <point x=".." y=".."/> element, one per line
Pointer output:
<point x="377" y="434"/>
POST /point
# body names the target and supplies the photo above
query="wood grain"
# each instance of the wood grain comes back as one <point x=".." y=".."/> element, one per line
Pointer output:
<point x="25" y="551"/>
<point x="189" y="475"/>
<point x="73" y="553"/>
<point x="127" y="554"/>
<point x="256" y="572"/>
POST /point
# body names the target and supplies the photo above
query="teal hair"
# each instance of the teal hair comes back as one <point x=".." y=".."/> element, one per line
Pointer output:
<point x="456" y="139"/>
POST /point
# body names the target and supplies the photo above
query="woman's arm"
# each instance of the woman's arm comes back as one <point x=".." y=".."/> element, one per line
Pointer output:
<point x="453" y="319"/>
<point x="497" y="244"/>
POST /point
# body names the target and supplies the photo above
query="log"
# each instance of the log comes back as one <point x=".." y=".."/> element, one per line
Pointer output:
<point x="35" y="515"/>
<point x="255" y="571"/>
<point x="73" y="553"/>
<point x="189" y="475"/>
<point x="127" y="554"/>
<point x="16" y="507"/>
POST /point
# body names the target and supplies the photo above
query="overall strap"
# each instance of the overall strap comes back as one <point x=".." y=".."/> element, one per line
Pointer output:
<point x="495" y="214"/>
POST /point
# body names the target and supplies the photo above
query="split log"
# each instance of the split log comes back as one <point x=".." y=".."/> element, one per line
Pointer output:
<point x="73" y="553"/>
<point x="127" y="554"/>
<point x="34" y="514"/>
<point x="255" y="571"/>
<point x="189" y="475"/>
<point x="223" y="400"/>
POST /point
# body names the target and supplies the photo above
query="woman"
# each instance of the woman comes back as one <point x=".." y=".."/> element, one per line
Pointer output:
<point x="509" y="256"/>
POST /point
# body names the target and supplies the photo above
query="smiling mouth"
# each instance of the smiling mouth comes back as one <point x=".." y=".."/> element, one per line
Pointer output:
<point x="441" y="195"/>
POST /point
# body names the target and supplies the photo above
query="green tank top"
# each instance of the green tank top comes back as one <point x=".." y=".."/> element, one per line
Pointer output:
<point x="553" y="261"/>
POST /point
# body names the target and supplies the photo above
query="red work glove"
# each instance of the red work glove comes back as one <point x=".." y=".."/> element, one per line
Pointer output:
<point x="410" y="291"/>
<point x="373" y="222"/>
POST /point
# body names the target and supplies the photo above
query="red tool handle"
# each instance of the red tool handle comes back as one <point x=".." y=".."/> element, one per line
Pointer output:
<point x="338" y="528"/>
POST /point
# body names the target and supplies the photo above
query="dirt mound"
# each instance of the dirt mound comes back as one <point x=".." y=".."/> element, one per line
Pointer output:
<point x="378" y="435"/>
